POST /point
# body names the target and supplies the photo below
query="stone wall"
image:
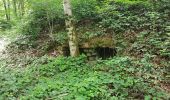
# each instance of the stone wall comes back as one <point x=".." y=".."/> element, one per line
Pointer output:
<point x="93" y="53"/>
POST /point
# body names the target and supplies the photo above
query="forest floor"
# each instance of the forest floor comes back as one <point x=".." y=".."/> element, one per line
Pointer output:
<point x="28" y="56"/>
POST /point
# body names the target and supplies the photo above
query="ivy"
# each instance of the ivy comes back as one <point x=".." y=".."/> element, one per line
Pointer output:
<point x="73" y="78"/>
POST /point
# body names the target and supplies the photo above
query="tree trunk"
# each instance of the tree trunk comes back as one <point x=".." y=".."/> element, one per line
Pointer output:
<point x="6" y="10"/>
<point x="73" y="42"/>
<point x="15" y="8"/>
<point x="21" y="8"/>
<point x="9" y="9"/>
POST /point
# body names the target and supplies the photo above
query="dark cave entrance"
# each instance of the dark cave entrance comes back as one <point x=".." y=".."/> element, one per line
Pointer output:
<point x="66" y="51"/>
<point x="105" y="52"/>
<point x="93" y="53"/>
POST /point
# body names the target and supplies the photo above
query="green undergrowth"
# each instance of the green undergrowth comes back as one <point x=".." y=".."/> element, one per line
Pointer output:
<point x="66" y="78"/>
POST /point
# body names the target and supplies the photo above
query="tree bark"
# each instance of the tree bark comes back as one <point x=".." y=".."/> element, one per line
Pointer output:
<point x="6" y="10"/>
<point x="15" y="8"/>
<point x="21" y="8"/>
<point x="9" y="9"/>
<point x="73" y="41"/>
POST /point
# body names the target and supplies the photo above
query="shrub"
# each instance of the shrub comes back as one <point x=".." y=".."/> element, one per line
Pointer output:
<point x="5" y="25"/>
<point x="134" y="15"/>
<point x="84" y="9"/>
<point x="42" y="17"/>
<point x="48" y="16"/>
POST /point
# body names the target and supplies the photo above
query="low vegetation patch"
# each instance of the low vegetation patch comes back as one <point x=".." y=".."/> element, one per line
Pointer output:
<point x="74" y="79"/>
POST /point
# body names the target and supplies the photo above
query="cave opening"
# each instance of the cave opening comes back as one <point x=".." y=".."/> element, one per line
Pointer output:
<point x="66" y="51"/>
<point x="99" y="52"/>
<point x="105" y="52"/>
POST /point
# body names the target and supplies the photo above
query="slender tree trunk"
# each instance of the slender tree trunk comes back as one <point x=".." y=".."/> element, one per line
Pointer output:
<point x="6" y="10"/>
<point x="73" y="41"/>
<point x="21" y="8"/>
<point x="9" y="9"/>
<point x="50" y="23"/>
<point x="15" y="7"/>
